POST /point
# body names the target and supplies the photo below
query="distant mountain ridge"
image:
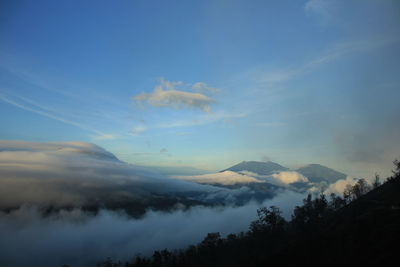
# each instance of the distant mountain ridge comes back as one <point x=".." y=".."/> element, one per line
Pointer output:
<point x="258" y="167"/>
<point x="317" y="173"/>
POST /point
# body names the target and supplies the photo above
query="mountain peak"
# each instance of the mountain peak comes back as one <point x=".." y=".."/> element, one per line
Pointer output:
<point x="258" y="167"/>
<point x="318" y="173"/>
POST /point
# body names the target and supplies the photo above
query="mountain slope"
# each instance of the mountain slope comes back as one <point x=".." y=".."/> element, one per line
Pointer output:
<point x="318" y="173"/>
<point x="363" y="233"/>
<point x="258" y="167"/>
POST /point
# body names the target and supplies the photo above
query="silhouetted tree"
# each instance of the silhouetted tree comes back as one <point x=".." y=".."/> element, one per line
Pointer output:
<point x="211" y="240"/>
<point x="360" y="188"/>
<point x="396" y="171"/>
<point x="320" y="205"/>
<point x="347" y="193"/>
<point x="268" y="220"/>
<point x="166" y="255"/>
<point x="377" y="181"/>
<point x="336" y="202"/>
<point x="157" y="258"/>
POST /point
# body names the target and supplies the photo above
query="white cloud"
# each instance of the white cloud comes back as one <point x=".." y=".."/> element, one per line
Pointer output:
<point x="289" y="177"/>
<point x="225" y="178"/>
<point x="165" y="95"/>
<point x="175" y="98"/>
<point x="340" y="185"/>
<point x="204" y="88"/>
<point x="276" y="76"/>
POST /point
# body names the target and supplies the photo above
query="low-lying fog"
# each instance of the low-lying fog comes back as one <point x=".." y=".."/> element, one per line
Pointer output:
<point x="79" y="239"/>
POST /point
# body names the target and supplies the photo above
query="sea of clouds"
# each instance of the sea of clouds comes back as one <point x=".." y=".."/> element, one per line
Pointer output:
<point x="80" y="239"/>
<point x="33" y="175"/>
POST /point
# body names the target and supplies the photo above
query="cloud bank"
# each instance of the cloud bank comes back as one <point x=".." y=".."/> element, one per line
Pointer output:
<point x="281" y="179"/>
<point x="224" y="178"/>
<point x="82" y="175"/>
<point x="77" y="174"/>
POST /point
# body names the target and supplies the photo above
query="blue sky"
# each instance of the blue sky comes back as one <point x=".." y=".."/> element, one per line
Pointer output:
<point x="207" y="83"/>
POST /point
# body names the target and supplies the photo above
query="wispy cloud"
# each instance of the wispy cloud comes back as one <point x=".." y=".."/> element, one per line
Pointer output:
<point x="166" y="95"/>
<point x="138" y="130"/>
<point x="333" y="53"/>
<point x="46" y="114"/>
<point x="322" y="8"/>
<point x="32" y="106"/>
<point x="10" y="64"/>
<point x="76" y="105"/>
<point x="203" y="120"/>
<point x="344" y="48"/>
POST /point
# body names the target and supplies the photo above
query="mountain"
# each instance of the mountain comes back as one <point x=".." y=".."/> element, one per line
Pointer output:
<point x="318" y="173"/>
<point x="258" y="167"/>
<point x="315" y="173"/>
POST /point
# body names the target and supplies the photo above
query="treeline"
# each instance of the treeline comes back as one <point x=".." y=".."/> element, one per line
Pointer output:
<point x="360" y="228"/>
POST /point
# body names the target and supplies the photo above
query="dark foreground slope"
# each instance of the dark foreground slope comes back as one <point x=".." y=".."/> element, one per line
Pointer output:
<point x="364" y="233"/>
<point x="359" y="230"/>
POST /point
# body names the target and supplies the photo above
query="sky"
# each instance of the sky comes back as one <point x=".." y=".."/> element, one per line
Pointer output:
<point x="207" y="84"/>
